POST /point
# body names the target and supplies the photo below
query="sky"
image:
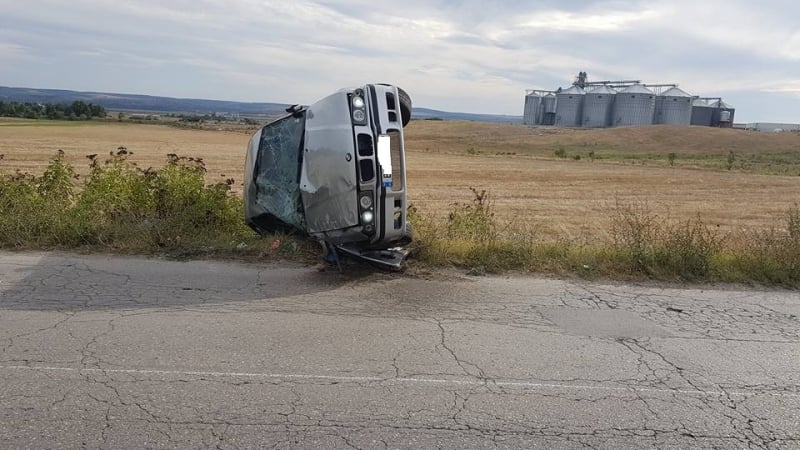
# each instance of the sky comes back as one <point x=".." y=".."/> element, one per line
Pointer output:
<point x="454" y="55"/>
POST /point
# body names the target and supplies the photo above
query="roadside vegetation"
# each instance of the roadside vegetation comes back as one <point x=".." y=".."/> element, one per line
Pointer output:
<point x="119" y="207"/>
<point x="643" y="245"/>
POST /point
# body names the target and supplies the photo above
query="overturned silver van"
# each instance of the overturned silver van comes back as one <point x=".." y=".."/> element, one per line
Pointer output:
<point x="335" y="170"/>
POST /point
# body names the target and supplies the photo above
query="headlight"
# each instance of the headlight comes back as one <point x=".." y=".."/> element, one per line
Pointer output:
<point x="366" y="202"/>
<point x="359" y="116"/>
<point x="358" y="102"/>
<point x="367" y="216"/>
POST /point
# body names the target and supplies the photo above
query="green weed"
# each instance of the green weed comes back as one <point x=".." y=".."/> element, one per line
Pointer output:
<point x="730" y="160"/>
<point x="120" y="207"/>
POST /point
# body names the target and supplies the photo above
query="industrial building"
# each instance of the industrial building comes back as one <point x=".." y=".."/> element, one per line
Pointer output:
<point x="769" y="127"/>
<point x="600" y="104"/>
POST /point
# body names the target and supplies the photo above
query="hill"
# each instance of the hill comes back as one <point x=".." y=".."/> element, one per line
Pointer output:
<point x="425" y="113"/>
<point x="155" y="104"/>
<point x="135" y="102"/>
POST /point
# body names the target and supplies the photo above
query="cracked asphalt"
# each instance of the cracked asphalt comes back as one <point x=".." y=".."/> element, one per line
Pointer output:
<point x="113" y="352"/>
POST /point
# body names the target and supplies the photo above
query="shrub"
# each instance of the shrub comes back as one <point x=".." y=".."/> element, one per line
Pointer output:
<point x="771" y="256"/>
<point x="634" y="229"/>
<point x="687" y="249"/>
<point x="34" y="210"/>
<point x="120" y="206"/>
<point x="473" y="221"/>
<point x="654" y="246"/>
<point x="730" y="160"/>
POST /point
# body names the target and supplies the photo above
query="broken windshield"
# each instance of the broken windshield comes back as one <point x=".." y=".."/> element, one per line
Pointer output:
<point x="277" y="170"/>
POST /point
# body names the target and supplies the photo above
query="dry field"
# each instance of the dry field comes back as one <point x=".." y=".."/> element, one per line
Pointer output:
<point x="561" y="197"/>
<point x="30" y="145"/>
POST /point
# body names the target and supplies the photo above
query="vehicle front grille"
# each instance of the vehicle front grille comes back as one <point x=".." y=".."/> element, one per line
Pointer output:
<point x="365" y="147"/>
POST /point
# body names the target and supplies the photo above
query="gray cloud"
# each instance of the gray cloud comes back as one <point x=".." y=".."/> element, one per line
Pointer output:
<point x="465" y="55"/>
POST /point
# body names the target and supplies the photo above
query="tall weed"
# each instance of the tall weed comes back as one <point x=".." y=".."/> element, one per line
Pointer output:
<point x="120" y="207"/>
<point x="656" y="246"/>
<point x="33" y="209"/>
<point x="474" y="221"/>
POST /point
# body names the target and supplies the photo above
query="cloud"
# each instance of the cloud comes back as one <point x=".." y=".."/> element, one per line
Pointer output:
<point x="467" y="55"/>
<point x="12" y="51"/>
<point x="587" y="23"/>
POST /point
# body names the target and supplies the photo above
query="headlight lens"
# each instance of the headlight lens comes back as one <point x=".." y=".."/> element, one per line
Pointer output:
<point x="366" y="202"/>
<point x="359" y="116"/>
<point x="367" y="216"/>
<point x="358" y="102"/>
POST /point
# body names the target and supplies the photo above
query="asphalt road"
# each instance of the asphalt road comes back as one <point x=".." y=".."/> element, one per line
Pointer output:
<point x="107" y="352"/>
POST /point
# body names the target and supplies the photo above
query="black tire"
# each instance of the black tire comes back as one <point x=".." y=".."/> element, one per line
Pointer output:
<point x="405" y="105"/>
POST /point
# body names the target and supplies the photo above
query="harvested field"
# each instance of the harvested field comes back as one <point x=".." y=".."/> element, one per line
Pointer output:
<point x="560" y="196"/>
<point x="29" y="147"/>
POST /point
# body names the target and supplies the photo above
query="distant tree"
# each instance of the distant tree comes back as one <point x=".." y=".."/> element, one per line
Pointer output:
<point x="79" y="107"/>
<point x="76" y="110"/>
<point x="96" y="111"/>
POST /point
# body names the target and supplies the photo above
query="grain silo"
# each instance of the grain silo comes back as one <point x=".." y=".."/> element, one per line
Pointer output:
<point x="569" y="106"/>
<point x="549" y="109"/>
<point x="634" y="105"/>
<point x="534" y="107"/>
<point x="722" y="114"/>
<point x="673" y="107"/>
<point x="702" y="113"/>
<point x="598" y="105"/>
<point x="630" y="102"/>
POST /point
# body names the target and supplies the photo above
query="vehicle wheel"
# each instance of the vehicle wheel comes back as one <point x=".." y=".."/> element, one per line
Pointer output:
<point x="405" y="106"/>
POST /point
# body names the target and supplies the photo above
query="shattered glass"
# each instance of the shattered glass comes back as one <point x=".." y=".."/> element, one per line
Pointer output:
<point x="277" y="170"/>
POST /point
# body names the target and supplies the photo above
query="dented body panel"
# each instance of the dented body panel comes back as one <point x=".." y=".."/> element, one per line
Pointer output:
<point x="328" y="178"/>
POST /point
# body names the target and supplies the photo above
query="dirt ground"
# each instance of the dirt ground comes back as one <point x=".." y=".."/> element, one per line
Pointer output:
<point x="561" y="197"/>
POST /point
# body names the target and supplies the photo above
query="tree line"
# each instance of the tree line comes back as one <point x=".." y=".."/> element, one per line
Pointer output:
<point x="77" y="110"/>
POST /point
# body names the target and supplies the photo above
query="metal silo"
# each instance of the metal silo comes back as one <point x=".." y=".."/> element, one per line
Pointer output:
<point x="569" y="105"/>
<point x="549" y="109"/>
<point x="533" y="109"/>
<point x="598" y="105"/>
<point x="658" y="112"/>
<point x="702" y="113"/>
<point x="722" y="114"/>
<point x="634" y="105"/>
<point x="674" y="107"/>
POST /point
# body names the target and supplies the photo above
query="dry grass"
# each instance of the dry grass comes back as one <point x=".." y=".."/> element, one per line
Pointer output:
<point x="457" y="137"/>
<point x="30" y="147"/>
<point x="559" y="197"/>
<point x="574" y="197"/>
